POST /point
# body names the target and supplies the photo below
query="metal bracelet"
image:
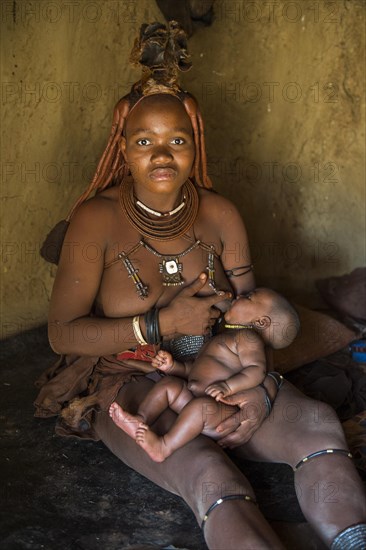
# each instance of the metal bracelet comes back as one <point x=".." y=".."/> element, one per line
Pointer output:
<point x="137" y="331"/>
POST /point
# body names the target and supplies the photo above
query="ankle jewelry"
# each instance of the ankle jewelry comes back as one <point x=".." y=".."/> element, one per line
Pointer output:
<point x="352" y="538"/>
<point x="320" y="453"/>
<point x="219" y="501"/>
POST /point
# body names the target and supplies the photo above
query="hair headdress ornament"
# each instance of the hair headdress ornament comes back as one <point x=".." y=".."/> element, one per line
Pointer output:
<point x="161" y="51"/>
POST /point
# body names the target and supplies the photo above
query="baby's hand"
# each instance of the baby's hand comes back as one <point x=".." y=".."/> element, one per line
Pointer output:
<point x="163" y="360"/>
<point x="218" y="390"/>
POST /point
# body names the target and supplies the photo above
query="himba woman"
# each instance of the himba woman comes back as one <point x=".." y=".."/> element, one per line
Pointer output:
<point x="165" y="241"/>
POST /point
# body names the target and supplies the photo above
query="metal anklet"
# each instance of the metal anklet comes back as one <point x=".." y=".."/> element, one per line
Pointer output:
<point x="352" y="538"/>
<point x="219" y="501"/>
<point x="320" y="453"/>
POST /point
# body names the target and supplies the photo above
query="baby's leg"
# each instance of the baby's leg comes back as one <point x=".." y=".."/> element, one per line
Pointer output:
<point x="201" y="415"/>
<point x="200" y="473"/>
<point x="169" y="392"/>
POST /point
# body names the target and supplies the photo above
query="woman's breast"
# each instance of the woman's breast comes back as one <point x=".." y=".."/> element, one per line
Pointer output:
<point x="143" y="279"/>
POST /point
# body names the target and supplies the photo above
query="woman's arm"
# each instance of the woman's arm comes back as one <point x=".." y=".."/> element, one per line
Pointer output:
<point x="71" y="327"/>
<point x="235" y="256"/>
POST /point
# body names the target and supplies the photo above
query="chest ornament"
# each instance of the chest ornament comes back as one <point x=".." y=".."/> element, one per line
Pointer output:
<point x="170" y="266"/>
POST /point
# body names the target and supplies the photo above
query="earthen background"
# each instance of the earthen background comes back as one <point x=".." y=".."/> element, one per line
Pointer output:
<point x="281" y="87"/>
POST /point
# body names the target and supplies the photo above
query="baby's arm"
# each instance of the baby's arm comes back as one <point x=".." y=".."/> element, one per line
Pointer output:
<point x="165" y="362"/>
<point x="251" y="353"/>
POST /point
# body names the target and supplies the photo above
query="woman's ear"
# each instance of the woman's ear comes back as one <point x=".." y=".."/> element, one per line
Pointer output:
<point x="122" y="146"/>
<point x="262" y="322"/>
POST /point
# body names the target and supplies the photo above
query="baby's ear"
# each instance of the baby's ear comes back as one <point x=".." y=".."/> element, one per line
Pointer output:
<point x="262" y="322"/>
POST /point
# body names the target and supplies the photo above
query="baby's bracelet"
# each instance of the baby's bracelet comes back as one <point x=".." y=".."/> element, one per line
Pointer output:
<point x="137" y="330"/>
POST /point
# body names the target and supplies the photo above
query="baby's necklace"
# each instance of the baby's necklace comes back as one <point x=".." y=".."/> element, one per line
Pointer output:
<point x="238" y="327"/>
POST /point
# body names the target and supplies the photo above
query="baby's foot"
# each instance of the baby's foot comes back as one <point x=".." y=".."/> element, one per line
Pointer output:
<point x="152" y="444"/>
<point x="129" y="423"/>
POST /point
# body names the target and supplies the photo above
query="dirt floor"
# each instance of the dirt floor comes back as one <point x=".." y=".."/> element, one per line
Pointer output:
<point x="66" y="494"/>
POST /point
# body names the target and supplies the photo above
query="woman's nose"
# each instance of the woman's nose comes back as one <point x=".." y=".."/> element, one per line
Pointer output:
<point x="161" y="154"/>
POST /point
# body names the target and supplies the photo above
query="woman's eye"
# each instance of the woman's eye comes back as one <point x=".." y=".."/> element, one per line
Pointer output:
<point x="143" y="141"/>
<point x="178" y="141"/>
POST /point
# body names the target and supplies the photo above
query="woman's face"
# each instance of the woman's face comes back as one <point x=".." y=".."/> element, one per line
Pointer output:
<point x="158" y="146"/>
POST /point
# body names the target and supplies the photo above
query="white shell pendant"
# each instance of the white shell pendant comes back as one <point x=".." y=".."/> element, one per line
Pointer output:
<point x="171" y="270"/>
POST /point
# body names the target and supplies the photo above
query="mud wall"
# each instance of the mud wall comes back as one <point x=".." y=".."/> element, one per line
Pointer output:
<point x="281" y="88"/>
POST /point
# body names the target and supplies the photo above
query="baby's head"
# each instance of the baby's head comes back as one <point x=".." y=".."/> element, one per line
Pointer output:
<point x="268" y="313"/>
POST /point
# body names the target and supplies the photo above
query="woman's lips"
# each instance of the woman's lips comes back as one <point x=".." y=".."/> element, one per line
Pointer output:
<point x="162" y="173"/>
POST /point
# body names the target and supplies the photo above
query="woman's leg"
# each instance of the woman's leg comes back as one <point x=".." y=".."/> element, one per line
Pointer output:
<point x="200" y="473"/>
<point x="330" y="492"/>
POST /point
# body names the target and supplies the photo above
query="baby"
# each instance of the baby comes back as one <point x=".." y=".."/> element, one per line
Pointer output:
<point x="230" y="362"/>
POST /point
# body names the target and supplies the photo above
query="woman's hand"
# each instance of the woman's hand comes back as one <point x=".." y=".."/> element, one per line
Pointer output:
<point x="253" y="411"/>
<point x="191" y="314"/>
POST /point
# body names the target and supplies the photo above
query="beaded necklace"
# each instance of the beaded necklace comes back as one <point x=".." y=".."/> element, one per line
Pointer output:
<point x="238" y="327"/>
<point x="161" y="214"/>
<point x="167" y="227"/>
